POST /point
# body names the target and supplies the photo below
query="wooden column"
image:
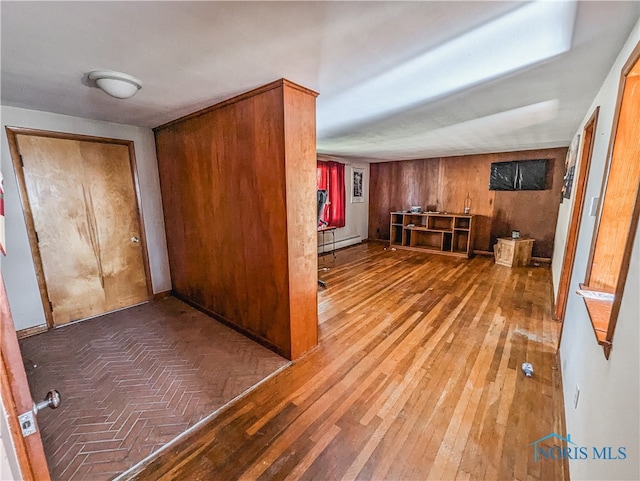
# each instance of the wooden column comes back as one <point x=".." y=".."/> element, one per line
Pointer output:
<point x="238" y="186"/>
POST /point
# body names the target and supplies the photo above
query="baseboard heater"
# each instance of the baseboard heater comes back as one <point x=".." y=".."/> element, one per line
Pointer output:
<point x="344" y="242"/>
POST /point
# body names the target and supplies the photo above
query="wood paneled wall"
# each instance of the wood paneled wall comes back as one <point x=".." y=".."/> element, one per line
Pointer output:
<point x="443" y="183"/>
<point x="238" y="187"/>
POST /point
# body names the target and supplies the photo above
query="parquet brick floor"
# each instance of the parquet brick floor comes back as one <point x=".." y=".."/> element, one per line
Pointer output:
<point x="133" y="380"/>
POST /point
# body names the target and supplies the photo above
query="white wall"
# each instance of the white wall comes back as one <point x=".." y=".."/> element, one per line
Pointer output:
<point x="356" y="227"/>
<point x="18" y="267"/>
<point x="608" y="411"/>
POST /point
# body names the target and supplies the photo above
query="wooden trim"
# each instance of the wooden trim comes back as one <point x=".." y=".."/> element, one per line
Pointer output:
<point x="251" y="93"/>
<point x="633" y="58"/>
<point x="614" y="309"/>
<point x="624" y="270"/>
<point x="158" y="296"/>
<point x="599" y="314"/>
<point x="296" y="86"/>
<point x="580" y="181"/>
<point x="143" y="234"/>
<point x="16" y="397"/>
<point x="558" y="400"/>
<point x="541" y="260"/>
<point x="32" y="331"/>
<point x="28" y="217"/>
<point x="426" y="250"/>
<point x="66" y="136"/>
<point x="631" y="61"/>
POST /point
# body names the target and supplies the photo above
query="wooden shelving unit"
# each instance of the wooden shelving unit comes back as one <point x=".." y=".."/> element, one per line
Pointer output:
<point x="448" y="234"/>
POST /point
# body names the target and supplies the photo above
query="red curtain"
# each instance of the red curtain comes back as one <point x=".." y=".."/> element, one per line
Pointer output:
<point x="331" y="178"/>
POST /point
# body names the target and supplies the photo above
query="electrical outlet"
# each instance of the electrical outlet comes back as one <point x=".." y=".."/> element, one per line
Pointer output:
<point x="576" y="396"/>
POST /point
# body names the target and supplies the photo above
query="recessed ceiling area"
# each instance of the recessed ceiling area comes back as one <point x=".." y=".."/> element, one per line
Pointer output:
<point x="397" y="80"/>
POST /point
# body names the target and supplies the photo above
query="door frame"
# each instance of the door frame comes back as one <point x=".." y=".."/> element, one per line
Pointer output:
<point x="12" y="133"/>
<point x="571" y="245"/>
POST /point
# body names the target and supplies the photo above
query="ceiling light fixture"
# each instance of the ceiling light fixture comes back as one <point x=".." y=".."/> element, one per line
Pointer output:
<point x="117" y="84"/>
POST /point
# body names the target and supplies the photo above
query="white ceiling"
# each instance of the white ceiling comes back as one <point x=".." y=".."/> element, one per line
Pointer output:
<point x="397" y="80"/>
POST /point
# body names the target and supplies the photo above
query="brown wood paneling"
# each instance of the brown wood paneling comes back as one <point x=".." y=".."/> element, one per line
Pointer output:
<point x="238" y="183"/>
<point x="533" y="212"/>
<point x="300" y="178"/>
<point x="396" y="186"/>
<point x="443" y="183"/>
<point x="461" y="177"/>
<point x="380" y="200"/>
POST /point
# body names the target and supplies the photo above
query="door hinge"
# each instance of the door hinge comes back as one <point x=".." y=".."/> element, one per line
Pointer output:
<point x="37" y="237"/>
<point x="21" y="161"/>
<point x="51" y="306"/>
<point x="27" y="423"/>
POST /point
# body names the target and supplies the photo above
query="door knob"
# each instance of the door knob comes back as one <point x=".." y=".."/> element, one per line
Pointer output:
<point x="135" y="239"/>
<point x="28" y="420"/>
<point x="52" y="400"/>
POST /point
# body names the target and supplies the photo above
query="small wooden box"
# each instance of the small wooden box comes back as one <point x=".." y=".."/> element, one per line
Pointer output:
<point x="513" y="252"/>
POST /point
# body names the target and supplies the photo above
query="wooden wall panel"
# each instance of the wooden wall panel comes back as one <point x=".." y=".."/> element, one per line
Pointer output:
<point x="301" y="172"/>
<point x="461" y="177"/>
<point x="223" y="174"/>
<point x="379" y="200"/>
<point x="397" y="186"/>
<point x="534" y="212"/>
<point x="445" y="182"/>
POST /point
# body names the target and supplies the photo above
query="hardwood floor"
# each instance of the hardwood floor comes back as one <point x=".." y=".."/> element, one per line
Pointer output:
<point x="417" y="377"/>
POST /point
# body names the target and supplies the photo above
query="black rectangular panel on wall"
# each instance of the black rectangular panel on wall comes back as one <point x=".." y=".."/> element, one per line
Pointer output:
<point x="532" y="175"/>
<point x="522" y="175"/>
<point x="503" y="176"/>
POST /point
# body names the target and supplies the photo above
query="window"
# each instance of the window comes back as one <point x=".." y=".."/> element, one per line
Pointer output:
<point x="331" y="179"/>
<point x="615" y="231"/>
